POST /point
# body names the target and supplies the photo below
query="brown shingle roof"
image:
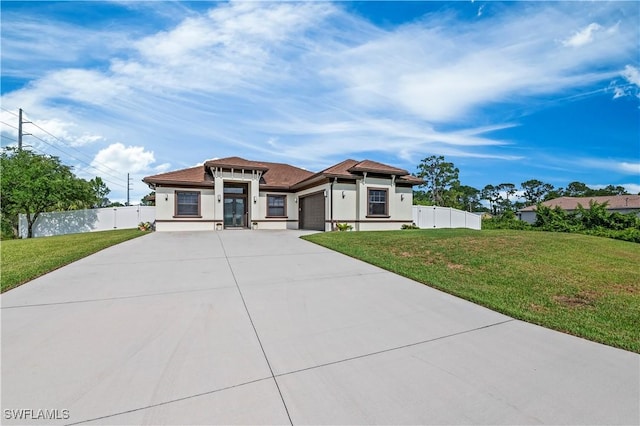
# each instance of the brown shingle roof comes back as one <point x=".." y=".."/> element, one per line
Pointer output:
<point x="571" y="203"/>
<point x="411" y="179"/>
<point x="236" y="163"/>
<point x="278" y="175"/>
<point x="375" y="167"/>
<point x="191" y="176"/>
<point x="340" y="169"/>
<point x="282" y="176"/>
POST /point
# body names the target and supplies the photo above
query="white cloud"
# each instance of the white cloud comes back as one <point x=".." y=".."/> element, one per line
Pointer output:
<point x="161" y="168"/>
<point x="439" y="71"/>
<point x="61" y="132"/>
<point x="322" y="83"/>
<point x="632" y="75"/>
<point x="631" y="86"/>
<point x="625" y="167"/>
<point x="582" y="37"/>
<point x="632" y="188"/>
<point x="126" y="159"/>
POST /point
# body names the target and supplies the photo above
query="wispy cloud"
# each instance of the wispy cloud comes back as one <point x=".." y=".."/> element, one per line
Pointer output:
<point x="582" y="37"/>
<point x="626" y="167"/>
<point x="310" y="82"/>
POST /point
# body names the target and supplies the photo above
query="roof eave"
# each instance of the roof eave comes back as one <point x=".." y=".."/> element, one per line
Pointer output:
<point x="235" y="166"/>
<point x="178" y="183"/>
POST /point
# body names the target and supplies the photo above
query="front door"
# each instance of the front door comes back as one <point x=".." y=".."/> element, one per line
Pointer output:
<point x="234" y="213"/>
<point x="235" y="205"/>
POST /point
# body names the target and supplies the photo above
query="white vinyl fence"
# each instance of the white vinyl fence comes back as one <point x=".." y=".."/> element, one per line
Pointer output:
<point x="426" y="217"/>
<point x="75" y="221"/>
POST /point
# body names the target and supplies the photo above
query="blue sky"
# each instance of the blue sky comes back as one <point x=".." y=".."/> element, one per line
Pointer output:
<point x="506" y="91"/>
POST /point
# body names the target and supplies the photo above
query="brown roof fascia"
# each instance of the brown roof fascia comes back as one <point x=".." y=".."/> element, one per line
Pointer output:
<point x="410" y="179"/>
<point x="183" y="184"/>
<point x="191" y="176"/>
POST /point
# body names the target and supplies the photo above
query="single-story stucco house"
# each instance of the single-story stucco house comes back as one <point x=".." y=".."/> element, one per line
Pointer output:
<point x="232" y="192"/>
<point x="615" y="203"/>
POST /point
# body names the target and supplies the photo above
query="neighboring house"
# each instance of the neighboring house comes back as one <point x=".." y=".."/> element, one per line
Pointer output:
<point x="615" y="203"/>
<point x="233" y="193"/>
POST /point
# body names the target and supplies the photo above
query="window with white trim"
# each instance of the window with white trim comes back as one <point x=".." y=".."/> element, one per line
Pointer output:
<point x="378" y="205"/>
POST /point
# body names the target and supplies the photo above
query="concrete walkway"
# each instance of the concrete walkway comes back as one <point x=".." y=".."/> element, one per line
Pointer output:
<point x="260" y="327"/>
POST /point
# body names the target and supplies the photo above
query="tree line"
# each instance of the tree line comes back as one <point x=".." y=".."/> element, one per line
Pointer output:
<point x="442" y="187"/>
<point x="32" y="184"/>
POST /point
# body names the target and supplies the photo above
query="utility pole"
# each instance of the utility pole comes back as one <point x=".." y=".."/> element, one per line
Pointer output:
<point x="128" y="188"/>
<point x="20" y="133"/>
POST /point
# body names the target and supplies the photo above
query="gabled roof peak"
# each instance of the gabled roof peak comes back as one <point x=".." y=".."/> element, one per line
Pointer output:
<point x="375" y="167"/>
<point x="236" y="163"/>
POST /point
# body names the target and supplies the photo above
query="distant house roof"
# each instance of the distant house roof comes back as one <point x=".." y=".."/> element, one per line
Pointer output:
<point x="614" y="202"/>
<point x="278" y="175"/>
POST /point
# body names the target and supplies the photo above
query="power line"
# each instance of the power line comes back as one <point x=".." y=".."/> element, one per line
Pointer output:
<point x="10" y="125"/>
<point x="11" y="139"/>
<point x="9" y="111"/>
<point x="77" y="159"/>
<point x="71" y="156"/>
<point x="61" y="141"/>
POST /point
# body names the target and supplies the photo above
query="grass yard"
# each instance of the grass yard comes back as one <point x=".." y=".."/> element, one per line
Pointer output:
<point x="24" y="260"/>
<point x="581" y="285"/>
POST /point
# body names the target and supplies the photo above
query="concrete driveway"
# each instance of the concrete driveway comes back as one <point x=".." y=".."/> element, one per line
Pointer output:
<point x="260" y="327"/>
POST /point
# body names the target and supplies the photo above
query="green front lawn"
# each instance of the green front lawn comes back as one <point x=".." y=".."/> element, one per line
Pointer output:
<point x="24" y="260"/>
<point x="582" y="285"/>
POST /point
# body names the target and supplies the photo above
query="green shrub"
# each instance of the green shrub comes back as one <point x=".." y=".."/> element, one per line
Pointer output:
<point x="344" y="227"/>
<point x="596" y="221"/>
<point x="412" y="226"/>
<point x="506" y="220"/>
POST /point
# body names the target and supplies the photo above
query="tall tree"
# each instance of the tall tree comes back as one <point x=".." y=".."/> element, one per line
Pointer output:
<point x="466" y="198"/>
<point x="492" y="195"/>
<point x="438" y="176"/>
<point x="33" y="184"/>
<point x="100" y="192"/>
<point x="509" y="190"/>
<point x="577" y="189"/>
<point x="610" y="190"/>
<point x="535" y="191"/>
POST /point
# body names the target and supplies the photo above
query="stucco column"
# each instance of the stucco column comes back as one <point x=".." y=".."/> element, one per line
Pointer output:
<point x="218" y="199"/>
<point x="254" y="191"/>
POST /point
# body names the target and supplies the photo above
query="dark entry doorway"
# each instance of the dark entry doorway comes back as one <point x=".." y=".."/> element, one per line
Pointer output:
<point x="235" y="205"/>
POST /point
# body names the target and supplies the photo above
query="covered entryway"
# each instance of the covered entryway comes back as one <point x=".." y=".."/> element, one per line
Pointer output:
<point x="235" y="206"/>
<point x="312" y="212"/>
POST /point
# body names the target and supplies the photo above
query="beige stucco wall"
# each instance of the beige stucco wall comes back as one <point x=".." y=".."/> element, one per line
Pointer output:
<point x="260" y="212"/>
<point x="165" y="203"/>
<point x="352" y="208"/>
<point x="165" y="210"/>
